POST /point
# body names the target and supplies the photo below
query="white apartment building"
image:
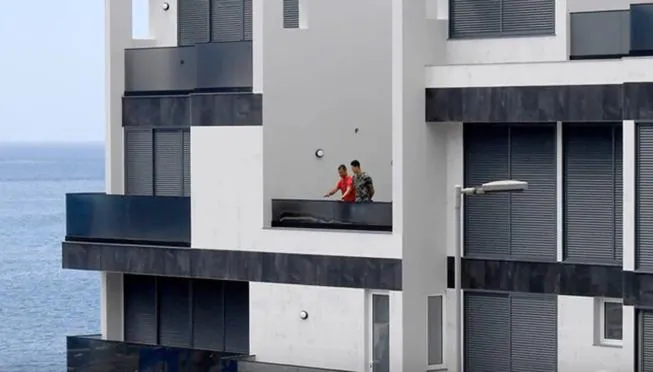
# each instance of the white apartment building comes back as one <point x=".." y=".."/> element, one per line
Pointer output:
<point x="225" y="127"/>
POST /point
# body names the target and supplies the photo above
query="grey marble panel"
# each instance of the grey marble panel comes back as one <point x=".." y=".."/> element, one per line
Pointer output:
<point x="444" y="105"/>
<point x="226" y="109"/>
<point x="155" y="111"/>
<point x="539" y="277"/>
<point x="638" y="289"/>
<point x="594" y="103"/>
<point x="638" y="101"/>
<point x="332" y="271"/>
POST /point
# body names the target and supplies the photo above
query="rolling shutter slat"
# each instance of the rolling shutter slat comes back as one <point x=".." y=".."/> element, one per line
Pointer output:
<point x="208" y="315"/>
<point x="248" y="20"/>
<point x="227" y="18"/>
<point x="528" y="16"/>
<point x="174" y="312"/>
<point x="193" y="22"/>
<point x="186" y="165"/>
<point x="486" y="159"/>
<point x="487" y="333"/>
<point x="645" y="341"/>
<point x="290" y="13"/>
<point x="138" y="162"/>
<point x="140" y="309"/>
<point x="645" y="197"/>
<point x="590" y="216"/>
<point x="471" y="18"/>
<point x="534" y="212"/>
<point x="168" y="163"/>
<point x="236" y="316"/>
<point x="534" y="333"/>
<point x="619" y="194"/>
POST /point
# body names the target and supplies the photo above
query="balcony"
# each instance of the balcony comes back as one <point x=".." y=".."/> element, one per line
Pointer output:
<point x="102" y="218"/>
<point x="197" y="68"/>
<point x="251" y="364"/>
<point x="324" y="214"/>
<point x="612" y="34"/>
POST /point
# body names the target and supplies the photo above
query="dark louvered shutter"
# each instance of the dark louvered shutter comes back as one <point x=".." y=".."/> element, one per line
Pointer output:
<point x="138" y="162"/>
<point x="590" y="208"/>
<point x="528" y="17"/>
<point x="487" y="218"/>
<point x="140" y="309"/>
<point x="236" y="316"/>
<point x="473" y="18"/>
<point x="645" y="197"/>
<point x="168" y="163"/>
<point x="290" y="13"/>
<point x="533" y="333"/>
<point x="186" y="164"/>
<point x="534" y="212"/>
<point x="645" y="349"/>
<point x="174" y="312"/>
<point x="487" y="332"/>
<point x="248" y="22"/>
<point x="208" y="315"/>
<point x="618" y="193"/>
<point x="227" y="20"/>
<point x="193" y="21"/>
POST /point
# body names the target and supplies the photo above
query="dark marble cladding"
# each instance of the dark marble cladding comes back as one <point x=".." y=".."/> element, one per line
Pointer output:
<point x="539" y="277"/>
<point x="573" y="103"/>
<point x="155" y="111"/>
<point x="226" y="109"/>
<point x="197" y="109"/>
<point x="244" y="365"/>
<point x="333" y="271"/>
<point x="327" y="214"/>
<point x="90" y="353"/>
<point x="638" y="289"/>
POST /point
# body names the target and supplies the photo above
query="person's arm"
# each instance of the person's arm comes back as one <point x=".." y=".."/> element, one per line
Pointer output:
<point x="333" y="191"/>
<point x="370" y="186"/>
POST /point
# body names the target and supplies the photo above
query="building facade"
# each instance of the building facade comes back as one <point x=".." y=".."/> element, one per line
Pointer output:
<point x="224" y="129"/>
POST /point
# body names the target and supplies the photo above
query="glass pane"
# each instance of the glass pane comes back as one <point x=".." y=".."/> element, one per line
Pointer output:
<point x="381" y="333"/>
<point x="435" y="330"/>
<point x="613" y="319"/>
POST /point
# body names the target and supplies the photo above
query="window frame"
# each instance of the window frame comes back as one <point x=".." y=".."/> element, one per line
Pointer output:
<point x="443" y="333"/>
<point x="599" y="328"/>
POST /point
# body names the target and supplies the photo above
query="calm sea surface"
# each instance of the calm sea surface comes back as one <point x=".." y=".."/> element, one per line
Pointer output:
<point x="39" y="302"/>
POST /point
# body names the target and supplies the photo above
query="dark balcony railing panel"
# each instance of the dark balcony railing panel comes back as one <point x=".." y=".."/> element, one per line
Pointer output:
<point x="376" y="216"/>
<point x="210" y="66"/>
<point x="250" y="364"/>
<point x="641" y="24"/>
<point x="224" y="65"/>
<point x="128" y="218"/>
<point x="160" y="69"/>
<point x="91" y="353"/>
<point x="600" y="34"/>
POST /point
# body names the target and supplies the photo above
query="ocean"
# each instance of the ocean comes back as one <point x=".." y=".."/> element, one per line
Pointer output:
<point x="39" y="302"/>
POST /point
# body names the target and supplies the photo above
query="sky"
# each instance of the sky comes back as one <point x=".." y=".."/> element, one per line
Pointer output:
<point x="52" y="69"/>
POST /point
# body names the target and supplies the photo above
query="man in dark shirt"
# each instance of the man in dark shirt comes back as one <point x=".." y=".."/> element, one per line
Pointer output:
<point x="344" y="184"/>
<point x="363" y="184"/>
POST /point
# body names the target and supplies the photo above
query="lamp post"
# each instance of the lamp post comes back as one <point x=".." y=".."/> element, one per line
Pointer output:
<point x="486" y="188"/>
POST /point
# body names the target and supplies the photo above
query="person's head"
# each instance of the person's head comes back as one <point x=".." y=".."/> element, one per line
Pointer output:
<point x="342" y="170"/>
<point x="355" y="166"/>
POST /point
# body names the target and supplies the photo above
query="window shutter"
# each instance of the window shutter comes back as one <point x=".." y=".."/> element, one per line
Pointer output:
<point x="645" y="341"/>
<point x="174" y="312"/>
<point x="528" y="17"/>
<point x="138" y="162"/>
<point x="186" y="165"/>
<point x="645" y="197"/>
<point x="168" y="163"/>
<point x="618" y="193"/>
<point x="193" y="22"/>
<point x="473" y="18"/>
<point x="533" y="333"/>
<point x="140" y="309"/>
<point x="487" y="152"/>
<point x="487" y="332"/>
<point x="590" y="194"/>
<point x="227" y="20"/>
<point x="208" y="315"/>
<point x="290" y="13"/>
<point x="248" y="19"/>
<point x="236" y="316"/>
<point x="533" y="221"/>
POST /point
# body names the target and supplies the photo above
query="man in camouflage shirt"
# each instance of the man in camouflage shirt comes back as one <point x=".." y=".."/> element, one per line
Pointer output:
<point x="362" y="183"/>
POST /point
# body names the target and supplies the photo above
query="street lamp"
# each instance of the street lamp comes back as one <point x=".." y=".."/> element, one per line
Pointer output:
<point x="486" y="188"/>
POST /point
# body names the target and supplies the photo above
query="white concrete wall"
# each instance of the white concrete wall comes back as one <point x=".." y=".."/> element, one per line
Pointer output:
<point x="163" y="23"/>
<point x="334" y="335"/>
<point x="577" y="349"/>
<point x="600" y="5"/>
<point x="227" y="204"/>
<point x="594" y="72"/>
<point x="320" y="84"/>
<point x="111" y="305"/>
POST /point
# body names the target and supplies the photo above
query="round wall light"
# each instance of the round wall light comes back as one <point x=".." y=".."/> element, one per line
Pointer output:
<point x="319" y="153"/>
<point x="303" y="315"/>
<point x="165" y="6"/>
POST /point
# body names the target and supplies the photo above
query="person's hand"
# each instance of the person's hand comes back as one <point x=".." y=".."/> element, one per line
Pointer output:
<point x="326" y="195"/>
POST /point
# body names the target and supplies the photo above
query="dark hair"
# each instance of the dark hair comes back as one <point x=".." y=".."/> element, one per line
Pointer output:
<point x="355" y="163"/>
<point x="342" y="167"/>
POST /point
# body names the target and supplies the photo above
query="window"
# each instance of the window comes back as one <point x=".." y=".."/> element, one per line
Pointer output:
<point x="501" y="18"/>
<point x="294" y="14"/>
<point x="609" y="322"/>
<point x="435" y="321"/>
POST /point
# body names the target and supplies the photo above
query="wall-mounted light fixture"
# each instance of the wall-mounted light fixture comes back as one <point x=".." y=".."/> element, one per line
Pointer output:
<point x="165" y="6"/>
<point x="303" y="315"/>
<point x="319" y="153"/>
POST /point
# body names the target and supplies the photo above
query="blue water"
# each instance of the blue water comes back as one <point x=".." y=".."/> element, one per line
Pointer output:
<point x="39" y="302"/>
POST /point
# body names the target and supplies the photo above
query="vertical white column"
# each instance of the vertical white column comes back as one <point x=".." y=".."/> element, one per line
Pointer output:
<point x="560" y="191"/>
<point x="163" y="23"/>
<point x="258" y="34"/>
<point x="629" y="163"/>
<point x="111" y="303"/>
